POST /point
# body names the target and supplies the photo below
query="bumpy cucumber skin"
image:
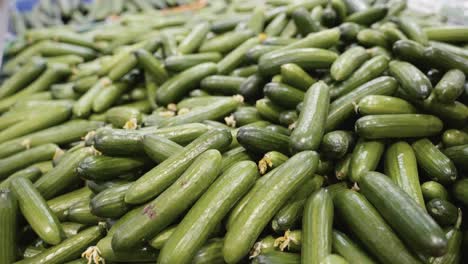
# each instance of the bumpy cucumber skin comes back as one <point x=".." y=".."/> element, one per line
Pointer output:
<point x="347" y="62"/>
<point x="8" y="213"/>
<point x="411" y="79"/>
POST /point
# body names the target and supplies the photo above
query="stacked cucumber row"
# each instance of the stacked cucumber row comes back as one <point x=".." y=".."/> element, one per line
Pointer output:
<point x="51" y="13"/>
<point x="243" y="132"/>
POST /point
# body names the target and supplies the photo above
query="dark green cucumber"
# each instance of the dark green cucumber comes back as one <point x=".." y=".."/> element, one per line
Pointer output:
<point x="180" y="63"/>
<point x="412" y="30"/>
<point x="180" y="134"/>
<point x="347" y="62"/>
<point x="372" y="38"/>
<point x="398" y="126"/>
<point x="317" y="225"/>
<point x="245" y="71"/>
<point x="262" y="140"/>
<point x="34" y="208"/>
<point x="63" y="175"/>
<point x="450" y="87"/>
<point x="445" y="60"/>
<point x="304" y="22"/>
<point x="123" y="66"/>
<point x="176" y="87"/>
<point x="208" y="211"/>
<point x="147" y="221"/>
<point x="8" y="225"/>
<point x="110" y="202"/>
<point x="69" y="249"/>
<point x="80" y="212"/>
<point x="159" y="148"/>
<point x="412" y="80"/>
<point x="410" y="51"/>
<point x="421" y="233"/>
<point x="370" y="228"/>
<point x="366" y="156"/>
<point x="101" y="168"/>
<point x="275" y="257"/>
<point x="343" y="107"/>
<point x="392" y="32"/>
<point x="443" y="211"/>
<point x="210" y="253"/>
<point x="246" y="115"/>
<point x="251" y="88"/>
<point x="220" y="84"/>
<point x="60" y="204"/>
<point x="349" y="31"/>
<point x="310" y="125"/>
<point x="254" y="54"/>
<point x="450" y="48"/>
<point x="455" y="247"/>
<point x="283" y="94"/>
<point x="454" y="137"/>
<point x="458" y="155"/>
<point x="434" y="190"/>
<point x="268" y="110"/>
<point x="459" y="191"/>
<point x="382" y="105"/>
<point x="367" y="71"/>
<point x="139" y="254"/>
<point x="288" y="117"/>
<point x="307" y="58"/>
<point x="435" y="163"/>
<point x="271" y="160"/>
<point x="401" y="167"/>
<point x="336" y="144"/>
<point x="295" y="76"/>
<point x="368" y="16"/>
<point x="342" y="167"/>
<point x="259" y="210"/>
<point x="347" y="248"/>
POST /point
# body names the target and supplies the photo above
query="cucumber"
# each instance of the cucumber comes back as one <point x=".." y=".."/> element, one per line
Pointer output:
<point x="412" y="80"/>
<point x="434" y="190"/>
<point x="101" y="168"/>
<point x="365" y="157"/>
<point x="342" y="167"/>
<point x="210" y="253"/>
<point x="247" y="226"/>
<point x="268" y="110"/>
<point x="334" y="259"/>
<point x="454" y="137"/>
<point x="80" y="212"/>
<point x="447" y="33"/>
<point x="262" y="140"/>
<point x="283" y="95"/>
<point x="208" y="211"/>
<point x="180" y="63"/>
<point x="370" y="228"/>
<point x="254" y="54"/>
<point x="455" y="239"/>
<point x="450" y="48"/>
<point x="123" y="117"/>
<point x="271" y="160"/>
<point x="275" y="257"/>
<point x="343" y="107"/>
<point x="445" y="60"/>
<point x="225" y="42"/>
<point x="21" y="79"/>
<point x="237" y="56"/>
<point x="32" y="173"/>
<point x="251" y="88"/>
<point x="307" y="58"/>
<point x="176" y="87"/>
<point x="276" y="25"/>
<point x="347" y="248"/>
<point x="69" y="249"/>
<point x="233" y="156"/>
<point x="220" y="84"/>
<point x="372" y="38"/>
<point x="28" y="157"/>
<point x="257" y="20"/>
<point x="459" y="191"/>
<point x="317" y="225"/>
<point x="142" y="223"/>
<point x="410" y="51"/>
<point x="123" y="66"/>
<point x="159" y="148"/>
<point x="348" y="62"/>
<point x="194" y="39"/>
<point x="398" y="126"/>
<point x="8" y="225"/>
<point x="382" y="105"/>
<point x="309" y="129"/>
<point x="392" y="32"/>
<point x="151" y="65"/>
<point x="443" y="211"/>
<point x="245" y="71"/>
<point x="349" y="31"/>
<point x="110" y="202"/>
<point x="60" y="204"/>
<point x="400" y="165"/>
<point x="70" y="229"/>
<point x="288" y="117"/>
<point x="304" y="22"/>
<point x="450" y="87"/>
<point x="158" y="241"/>
<point x="435" y="163"/>
<point x="295" y="76"/>
<point x="421" y="233"/>
<point x="246" y="115"/>
<point x="336" y="144"/>
<point x="34" y="208"/>
<point x="368" y="16"/>
<point x="140" y="254"/>
<point x="412" y="30"/>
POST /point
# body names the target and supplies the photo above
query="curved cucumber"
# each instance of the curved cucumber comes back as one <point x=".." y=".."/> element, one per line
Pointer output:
<point x="295" y="76"/>
<point x="382" y="105"/>
<point x="412" y="80"/>
<point x="450" y="87"/>
<point x="347" y="62"/>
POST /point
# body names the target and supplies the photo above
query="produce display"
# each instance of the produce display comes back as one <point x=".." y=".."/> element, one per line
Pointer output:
<point x="267" y="132"/>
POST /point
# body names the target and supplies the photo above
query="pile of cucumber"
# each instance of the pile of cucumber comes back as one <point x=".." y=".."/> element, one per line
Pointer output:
<point x="275" y="132"/>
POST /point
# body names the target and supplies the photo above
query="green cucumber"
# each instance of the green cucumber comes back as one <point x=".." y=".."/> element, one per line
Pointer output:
<point x="107" y="97"/>
<point x="455" y="249"/>
<point x="276" y="25"/>
<point x="246" y="115"/>
<point x="271" y="160"/>
<point x="210" y="253"/>
<point x="34" y="208"/>
<point x="69" y="249"/>
<point x="434" y="190"/>
<point x="367" y="71"/>
<point x="159" y="148"/>
<point x="140" y="254"/>
<point x="458" y="155"/>
<point x="80" y="212"/>
<point x="32" y="173"/>
<point x="147" y="221"/>
<point x="336" y="144"/>
<point x="410" y="51"/>
<point x="412" y="80"/>
<point x="247" y="226"/>
<point x="447" y="33"/>
<point x="348" y="62"/>
<point x="459" y="191"/>
<point x="110" y="202"/>
<point x="304" y="22"/>
<point x="194" y="39"/>
<point x="21" y="79"/>
<point x="251" y="88"/>
<point x="262" y="140"/>
<point x="421" y="233"/>
<point x="347" y="248"/>
<point x="220" y="84"/>
<point x="349" y="31"/>
<point x="400" y="165"/>
<point x="288" y="117"/>
<point x="370" y="228"/>
<point x="60" y="204"/>
<point x="372" y="38"/>
<point x="365" y="157"/>
<point x="254" y="54"/>
<point x="225" y="42"/>
<point x="435" y="163"/>
<point x="454" y="137"/>
<point x="307" y="58"/>
<point x="8" y="225"/>
<point x="445" y="60"/>
<point x="382" y="105"/>
<point x="208" y="211"/>
<point x="159" y="240"/>
<point x="275" y="257"/>
<point x="412" y="30"/>
<point x="317" y="225"/>
<point x="443" y="211"/>
<point x="398" y="126"/>
<point x="123" y="66"/>
<point x="343" y="107"/>
<point x="122" y="116"/>
<point x="334" y="259"/>
<point x="309" y="128"/>
<point x="295" y="76"/>
<point x="176" y="87"/>
<point x="101" y="168"/>
<point x="450" y="87"/>
<point x="342" y="167"/>
<point x="283" y="95"/>
<point x="233" y="156"/>
<point x="245" y="71"/>
<point x="180" y="63"/>
<point x="234" y="58"/>
<point x="268" y="110"/>
<point x="257" y="20"/>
